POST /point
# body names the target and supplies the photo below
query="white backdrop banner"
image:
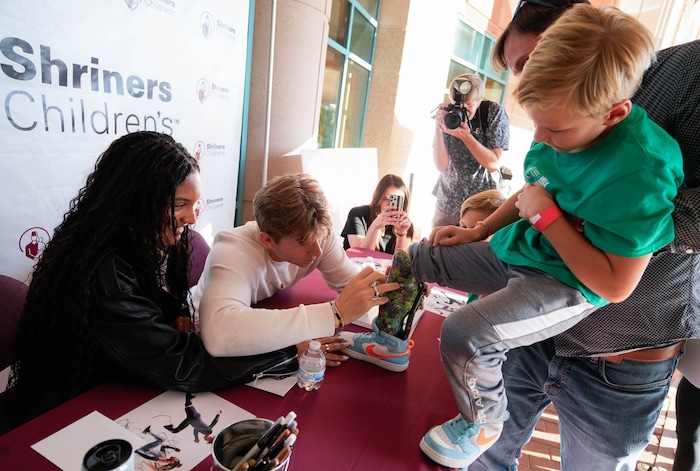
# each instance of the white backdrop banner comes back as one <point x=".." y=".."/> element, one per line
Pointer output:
<point x="77" y="74"/>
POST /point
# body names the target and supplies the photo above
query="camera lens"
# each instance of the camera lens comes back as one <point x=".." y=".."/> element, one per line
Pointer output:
<point x="453" y="119"/>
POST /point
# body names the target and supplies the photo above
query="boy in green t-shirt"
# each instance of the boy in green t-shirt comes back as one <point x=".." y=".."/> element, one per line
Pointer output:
<point x="601" y="178"/>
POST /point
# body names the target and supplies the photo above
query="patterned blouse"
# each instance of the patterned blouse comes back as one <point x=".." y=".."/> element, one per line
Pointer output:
<point x="464" y="176"/>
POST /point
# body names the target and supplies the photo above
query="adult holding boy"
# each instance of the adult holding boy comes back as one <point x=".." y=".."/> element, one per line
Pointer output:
<point x="626" y="353"/>
<point x="598" y="159"/>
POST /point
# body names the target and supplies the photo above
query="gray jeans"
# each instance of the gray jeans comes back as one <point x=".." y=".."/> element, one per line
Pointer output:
<point x="522" y="306"/>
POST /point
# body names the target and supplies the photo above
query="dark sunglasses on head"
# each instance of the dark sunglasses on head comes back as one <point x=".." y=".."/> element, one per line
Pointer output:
<point x="537" y="3"/>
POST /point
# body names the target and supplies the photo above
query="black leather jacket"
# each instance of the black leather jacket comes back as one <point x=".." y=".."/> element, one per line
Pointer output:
<point x="134" y="338"/>
<point x="134" y="331"/>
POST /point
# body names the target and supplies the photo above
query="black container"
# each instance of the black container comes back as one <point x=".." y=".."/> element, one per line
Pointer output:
<point x="110" y="455"/>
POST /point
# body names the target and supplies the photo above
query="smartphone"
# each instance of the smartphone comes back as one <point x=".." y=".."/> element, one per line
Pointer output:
<point x="396" y="202"/>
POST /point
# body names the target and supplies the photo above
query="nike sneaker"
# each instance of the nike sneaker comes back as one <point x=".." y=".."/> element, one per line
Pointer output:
<point x="458" y="443"/>
<point x="377" y="347"/>
<point x="396" y="315"/>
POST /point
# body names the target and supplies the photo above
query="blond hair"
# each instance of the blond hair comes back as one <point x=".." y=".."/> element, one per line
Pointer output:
<point x="588" y="60"/>
<point x="488" y="200"/>
<point x="292" y="206"/>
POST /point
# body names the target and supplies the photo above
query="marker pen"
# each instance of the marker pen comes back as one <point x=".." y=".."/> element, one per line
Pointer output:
<point x="255" y="449"/>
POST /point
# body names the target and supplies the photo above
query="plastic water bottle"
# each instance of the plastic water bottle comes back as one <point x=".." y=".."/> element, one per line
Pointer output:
<point x="312" y="367"/>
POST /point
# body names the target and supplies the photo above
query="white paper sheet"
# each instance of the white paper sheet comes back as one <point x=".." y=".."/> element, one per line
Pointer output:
<point x="443" y="301"/>
<point x="168" y="409"/>
<point x="67" y="447"/>
<point x="279" y="387"/>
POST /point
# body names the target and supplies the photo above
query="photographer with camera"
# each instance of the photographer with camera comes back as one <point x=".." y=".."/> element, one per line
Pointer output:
<point x="383" y="224"/>
<point x="470" y="135"/>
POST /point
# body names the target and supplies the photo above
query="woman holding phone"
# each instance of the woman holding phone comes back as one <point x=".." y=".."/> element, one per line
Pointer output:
<point x="383" y="224"/>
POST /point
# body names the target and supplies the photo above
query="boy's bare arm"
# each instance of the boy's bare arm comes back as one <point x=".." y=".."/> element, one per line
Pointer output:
<point x="610" y="276"/>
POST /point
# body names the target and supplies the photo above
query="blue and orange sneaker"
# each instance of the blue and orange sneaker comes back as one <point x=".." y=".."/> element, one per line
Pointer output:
<point x="458" y="443"/>
<point x="379" y="348"/>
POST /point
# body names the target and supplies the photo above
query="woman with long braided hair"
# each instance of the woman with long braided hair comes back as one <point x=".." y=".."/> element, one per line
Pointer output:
<point x="109" y="294"/>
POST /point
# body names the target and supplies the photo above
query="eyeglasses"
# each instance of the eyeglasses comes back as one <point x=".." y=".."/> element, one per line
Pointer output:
<point x="537" y="3"/>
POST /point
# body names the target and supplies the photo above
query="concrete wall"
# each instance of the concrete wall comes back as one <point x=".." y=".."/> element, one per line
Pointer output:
<point x="301" y="36"/>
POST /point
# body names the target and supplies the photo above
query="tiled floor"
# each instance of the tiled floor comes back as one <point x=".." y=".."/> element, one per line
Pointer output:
<point x="542" y="453"/>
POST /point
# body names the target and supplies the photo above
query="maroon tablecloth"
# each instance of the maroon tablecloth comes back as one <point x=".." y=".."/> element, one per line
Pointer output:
<point x="363" y="417"/>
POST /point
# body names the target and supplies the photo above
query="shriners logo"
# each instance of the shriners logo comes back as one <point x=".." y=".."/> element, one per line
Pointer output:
<point x="211" y="26"/>
<point x="199" y="208"/>
<point x="198" y="151"/>
<point x="203" y="90"/>
<point x="206" y="90"/>
<point x="33" y="241"/>
<point x="165" y="7"/>
<point x="206" y="22"/>
<point x="202" y="149"/>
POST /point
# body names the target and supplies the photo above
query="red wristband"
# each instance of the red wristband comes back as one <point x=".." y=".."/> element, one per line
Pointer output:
<point x="543" y="219"/>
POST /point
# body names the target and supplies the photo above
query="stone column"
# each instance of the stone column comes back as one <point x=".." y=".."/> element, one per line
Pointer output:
<point x="301" y="35"/>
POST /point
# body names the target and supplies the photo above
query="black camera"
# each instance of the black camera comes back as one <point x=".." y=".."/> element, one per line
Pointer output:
<point x="456" y="112"/>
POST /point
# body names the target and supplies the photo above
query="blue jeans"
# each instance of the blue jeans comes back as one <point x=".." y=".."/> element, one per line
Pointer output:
<point x="607" y="412"/>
